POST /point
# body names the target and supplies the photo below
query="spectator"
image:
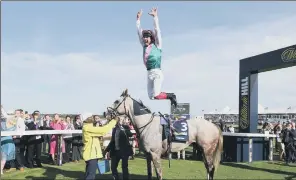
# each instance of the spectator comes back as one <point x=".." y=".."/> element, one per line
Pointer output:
<point x="7" y="144"/>
<point x="119" y="148"/>
<point x="293" y="134"/>
<point x="34" y="142"/>
<point x="77" y="141"/>
<point x="68" y="138"/>
<point x="56" y="124"/>
<point x="27" y="115"/>
<point x="275" y="128"/>
<point x="279" y="144"/>
<point x="221" y="124"/>
<point x="19" y="141"/>
<point x="133" y="139"/>
<point x="288" y="143"/>
<point x="277" y="131"/>
<point x="98" y="121"/>
<point x="46" y="137"/>
<point x="231" y="129"/>
<point x="22" y="114"/>
<point x="92" y="148"/>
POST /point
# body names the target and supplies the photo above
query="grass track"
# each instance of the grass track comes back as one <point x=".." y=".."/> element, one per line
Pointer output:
<point x="180" y="169"/>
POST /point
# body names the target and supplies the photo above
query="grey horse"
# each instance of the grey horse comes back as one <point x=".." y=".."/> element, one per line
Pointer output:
<point x="150" y="132"/>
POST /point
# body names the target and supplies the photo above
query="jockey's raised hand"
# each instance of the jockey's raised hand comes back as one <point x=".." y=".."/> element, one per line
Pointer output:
<point x="139" y="14"/>
<point x="153" y="12"/>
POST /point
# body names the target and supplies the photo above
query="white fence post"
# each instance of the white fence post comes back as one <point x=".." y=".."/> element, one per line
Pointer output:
<point x="250" y="150"/>
<point x="270" y="149"/>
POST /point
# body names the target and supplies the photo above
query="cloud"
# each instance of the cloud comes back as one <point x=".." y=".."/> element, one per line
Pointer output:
<point x="200" y="66"/>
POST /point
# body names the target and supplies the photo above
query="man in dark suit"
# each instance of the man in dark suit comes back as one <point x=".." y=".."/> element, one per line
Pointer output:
<point x="119" y="148"/>
<point x="34" y="142"/>
<point x="288" y="141"/>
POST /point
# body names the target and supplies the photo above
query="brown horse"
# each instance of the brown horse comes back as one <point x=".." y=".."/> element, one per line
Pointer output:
<point x="149" y="129"/>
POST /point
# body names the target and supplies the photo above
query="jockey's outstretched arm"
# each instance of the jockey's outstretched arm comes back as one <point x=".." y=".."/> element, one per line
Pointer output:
<point x="139" y="29"/>
<point x="158" y="39"/>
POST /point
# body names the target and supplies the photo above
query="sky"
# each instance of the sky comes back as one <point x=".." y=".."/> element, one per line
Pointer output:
<point x="74" y="57"/>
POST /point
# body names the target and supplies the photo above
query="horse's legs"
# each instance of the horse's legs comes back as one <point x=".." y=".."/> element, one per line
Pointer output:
<point x="206" y="165"/>
<point x="157" y="164"/>
<point x="212" y="172"/>
<point x="149" y="161"/>
<point x="209" y="163"/>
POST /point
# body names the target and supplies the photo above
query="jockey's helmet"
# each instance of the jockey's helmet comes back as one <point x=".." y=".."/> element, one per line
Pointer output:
<point x="148" y="33"/>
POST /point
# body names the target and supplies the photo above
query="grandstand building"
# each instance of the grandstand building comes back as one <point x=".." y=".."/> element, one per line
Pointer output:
<point x="231" y="116"/>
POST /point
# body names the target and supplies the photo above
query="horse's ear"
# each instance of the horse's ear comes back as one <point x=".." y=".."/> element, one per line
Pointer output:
<point x="141" y="103"/>
<point x="124" y="93"/>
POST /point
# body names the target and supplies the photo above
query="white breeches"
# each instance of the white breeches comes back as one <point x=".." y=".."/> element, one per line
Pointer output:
<point x="154" y="82"/>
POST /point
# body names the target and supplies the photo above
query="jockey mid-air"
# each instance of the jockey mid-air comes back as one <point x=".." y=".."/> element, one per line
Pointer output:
<point x="152" y="48"/>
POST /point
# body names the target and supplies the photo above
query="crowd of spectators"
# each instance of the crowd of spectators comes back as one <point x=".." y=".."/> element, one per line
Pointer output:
<point x="286" y="141"/>
<point x="31" y="151"/>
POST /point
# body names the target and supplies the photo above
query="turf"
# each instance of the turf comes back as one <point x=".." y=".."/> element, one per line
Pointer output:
<point x="180" y="169"/>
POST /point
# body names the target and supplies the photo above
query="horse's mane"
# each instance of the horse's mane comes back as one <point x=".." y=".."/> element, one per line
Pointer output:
<point x="141" y="103"/>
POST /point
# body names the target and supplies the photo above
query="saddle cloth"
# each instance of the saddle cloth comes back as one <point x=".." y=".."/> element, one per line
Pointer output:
<point x="180" y="130"/>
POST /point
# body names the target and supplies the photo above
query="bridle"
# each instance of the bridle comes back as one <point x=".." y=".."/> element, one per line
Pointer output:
<point x="114" y="113"/>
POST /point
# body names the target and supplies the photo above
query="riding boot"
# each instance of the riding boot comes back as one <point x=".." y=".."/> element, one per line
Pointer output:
<point x="172" y="97"/>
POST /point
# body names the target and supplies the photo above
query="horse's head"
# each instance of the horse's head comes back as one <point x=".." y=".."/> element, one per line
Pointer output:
<point x="126" y="105"/>
<point x="120" y="106"/>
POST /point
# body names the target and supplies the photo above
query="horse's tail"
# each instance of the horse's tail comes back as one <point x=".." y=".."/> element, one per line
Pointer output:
<point x="218" y="150"/>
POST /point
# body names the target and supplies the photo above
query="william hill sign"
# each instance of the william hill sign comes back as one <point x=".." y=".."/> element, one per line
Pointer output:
<point x="289" y="55"/>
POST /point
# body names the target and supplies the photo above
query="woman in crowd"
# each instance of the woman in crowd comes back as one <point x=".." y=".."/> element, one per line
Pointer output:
<point x="119" y="148"/>
<point x="56" y="124"/>
<point x="68" y="138"/>
<point x="7" y="144"/>
<point x="19" y="140"/>
<point x="92" y="148"/>
<point x="77" y="141"/>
